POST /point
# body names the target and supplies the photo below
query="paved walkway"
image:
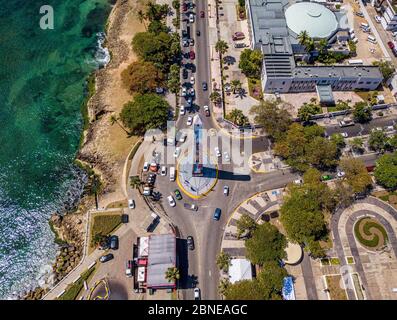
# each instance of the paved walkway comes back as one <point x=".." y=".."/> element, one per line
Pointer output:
<point x="345" y="244"/>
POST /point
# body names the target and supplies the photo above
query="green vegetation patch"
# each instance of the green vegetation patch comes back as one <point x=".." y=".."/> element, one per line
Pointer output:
<point x="335" y="290"/>
<point x="103" y="225"/>
<point x="350" y="260"/>
<point x="335" y="261"/>
<point x="255" y="88"/>
<point x="73" y="290"/>
<point x="357" y="286"/>
<point x="364" y="234"/>
<point x="325" y="262"/>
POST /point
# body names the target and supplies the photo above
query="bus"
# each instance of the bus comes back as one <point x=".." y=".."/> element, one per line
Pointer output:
<point x="355" y="62"/>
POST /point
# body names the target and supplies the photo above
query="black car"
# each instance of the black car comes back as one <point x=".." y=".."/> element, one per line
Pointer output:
<point x="198" y="33"/>
<point x="205" y="86"/>
<point x="151" y="179"/>
<point x="106" y="258"/>
<point x="114" y="242"/>
<point x="124" y="218"/>
<point x="190" y="242"/>
<point x="184" y="33"/>
<point x="185" y="74"/>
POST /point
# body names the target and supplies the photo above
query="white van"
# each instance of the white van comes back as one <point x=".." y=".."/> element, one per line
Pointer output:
<point x="172" y="174"/>
<point x="372" y="39"/>
<point x="364" y="25"/>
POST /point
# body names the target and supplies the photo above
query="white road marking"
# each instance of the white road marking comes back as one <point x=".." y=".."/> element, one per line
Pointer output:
<point x="209" y="273"/>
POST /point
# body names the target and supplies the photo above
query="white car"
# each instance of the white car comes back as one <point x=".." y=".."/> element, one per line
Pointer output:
<point x="163" y="170"/>
<point x="377" y="129"/>
<point x="171" y="201"/>
<point x="377" y="19"/>
<point x="192" y="80"/>
<point x="226" y="156"/>
<point x="344" y="134"/>
<point x="182" y="137"/>
<point x="177" y="152"/>
<point x="226" y="190"/>
<point x="191" y="18"/>
<point x="189" y="121"/>
<point x="298" y="181"/>
<point x="217" y="152"/>
<point x="196" y="294"/>
<point x="183" y="110"/>
<point x="145" y="167"/>
<point x="389" y="128"/>
<point x="184" y="91"/>
<point x="340" y="174"/>
<point x="147" y="191"/>
<point x="192" y="92"/>
<point x="131" y="204"/>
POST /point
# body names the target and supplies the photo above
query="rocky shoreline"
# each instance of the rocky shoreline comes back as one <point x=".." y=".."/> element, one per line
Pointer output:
<point x="69" y="228"/>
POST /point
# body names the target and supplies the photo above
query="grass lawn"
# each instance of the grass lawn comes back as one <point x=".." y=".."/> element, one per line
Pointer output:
<point x="368" y="224"/>
<point x="335" y="261"/>
<point x="117" y="204"/>
<point x="255" y="88"/>
<point x="390" y="197"/>
<point x="335" y="290"/>
<point x="357" y="286"/>
<point x="350" y="260"/>
<point x="103" y="223"/>
<point x="73" y="290"/>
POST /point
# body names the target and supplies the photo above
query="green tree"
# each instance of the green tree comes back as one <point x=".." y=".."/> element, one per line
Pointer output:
<point x="224" y="284"/>
<point x="342" y="105"/>
<point x="142" y="17"/>
<point x="343" y="194"/>
<point x="244" y="290"/>
<point x="223" y="261"/>
<point x="245" y="225"/>
<point x="386" y="68"/>
<point x="307" y="110"/>
<point x="221" y="46"/>
<point x="392" y="142"/>
<point x="322" y="46"/>
<point x="356" y="174"/>
<point x="386" y="171"/>
<point x="273" y="116"/>
<point x="235" y="85"/>
<point x="251" y="63"/>
<point x="147" y="111"/>
<point x="271" y="280"/>
<point x="157" y="26"/>
<point x="215" y="97"/>
<point x="156" y="12"/>
<point x="135" y="182"/>
<point x="303" y="37"/>
<point x="142" y="77"/>
<point x="99" y="239"/>
<point x="174" y="82"/>
<point x="172" y="274"/>
<point x="237" y="117"/>
<point x="315" y="249"/>
<point x="357" y="144"/>
<point x="338" y="139"/>
<point x="176" y="4"/>
<point x="377" y="140"/>
<point x="266" y="244"/>
<point x="362" y="112"/>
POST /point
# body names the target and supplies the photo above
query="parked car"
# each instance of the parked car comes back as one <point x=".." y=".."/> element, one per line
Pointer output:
<point x="185" y="42"/>
<point x="192" y="92"/>
<point x="217" y="214"/>
<point x="191" y="18"/>
<point x="198" y="33"/>
<point x="226" y="190"/>
<point x="239" y="45"/>
<point x="177" y="152"/>
<point x="106" y="257"/>
<point x="191" y="42"/>
<point x="359" y="14"/>
<point x="182" y="110"/>
<point x="378" y="19"/>
<point x="217" y="152"/>
<point x="196" y="294"/>
<point x="128" y="268"/>
<point x="192" y="80"/>
<point x="184" y="91"/>
<point x="389" y="128"/>
<point x="238" y="36"/>
<point x="189" y="121"/>
<point x="226" y="156"/>
<point x="326" y="177"/>
<point x="206" y="111"/>
<point x="391" y="45"/>
<point x="124" y="218"/>
<point x="192" y="55"/>
<point x="182" y="137"/>
<point x="344" y="134"/>
<point x="185" y="74"/>
<point x="346" y="123"/>
<point x="147" y="191"/>
<point x="114" y="242"/>
<point x="171" y="201"/>
<point x="131" y="203"/>
<point x="145" y="167"/>
<point x="202" y="14"/>
<point x="184" y="7"/>
<point x="204" y="85"/>
<point x="151" y="179"/>
<point x="163" y="171"/>
<point x="340" y="174"/>
<point x="190" y="242"/>
<point x="178" y="194"/>
<point x="191" y="207"/>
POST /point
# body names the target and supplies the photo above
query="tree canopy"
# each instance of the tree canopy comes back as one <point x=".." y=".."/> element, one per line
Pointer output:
<point x="362" y="112"/>
<point x="273" y="116"/>
<point x="237" y="117"/>
<point x="377" y="140"/>
<point x="307" y="110"/>
<point x="356" y="174"/>
<point x="266" y="244"/>
<point x="245" y="225"/>
<point x="142" y="77"/>
<point x="147" y="111"/>
<point x="386" y="170"/>
<point x="251" y="63"/>
<point x="386" y="68"/>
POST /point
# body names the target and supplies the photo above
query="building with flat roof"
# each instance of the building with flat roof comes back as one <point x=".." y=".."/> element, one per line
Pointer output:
<point x="274" y="26"/>
<point x="161" y="256"/>
<point x="240" y="269"/>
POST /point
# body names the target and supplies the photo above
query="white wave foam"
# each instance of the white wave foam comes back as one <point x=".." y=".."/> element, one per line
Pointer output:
<point x="102" y="55"/>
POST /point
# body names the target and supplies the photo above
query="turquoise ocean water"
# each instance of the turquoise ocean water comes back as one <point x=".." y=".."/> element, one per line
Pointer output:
<point x="42" y="85"/>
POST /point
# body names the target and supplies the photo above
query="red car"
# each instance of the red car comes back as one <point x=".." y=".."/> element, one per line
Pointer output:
<point x="201" y="14"/>
<point x="184" y="6"/>
<point x="391" y="45"/>
<point x="192" y="55"/>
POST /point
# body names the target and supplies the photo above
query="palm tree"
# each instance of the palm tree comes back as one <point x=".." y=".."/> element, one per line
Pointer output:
<point x="142" y="17"/>
<point x="172" y="274"/>
<point x="114" y="119"/>
<point x="223" y="261"/>
<point x="135" y="182"/>
<point x="303" y="37"/>
<point x="322" y="45"/>
<point x="221" y="47"/>
<point x="215" y="97"/>
<point x="236" y="85"/>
